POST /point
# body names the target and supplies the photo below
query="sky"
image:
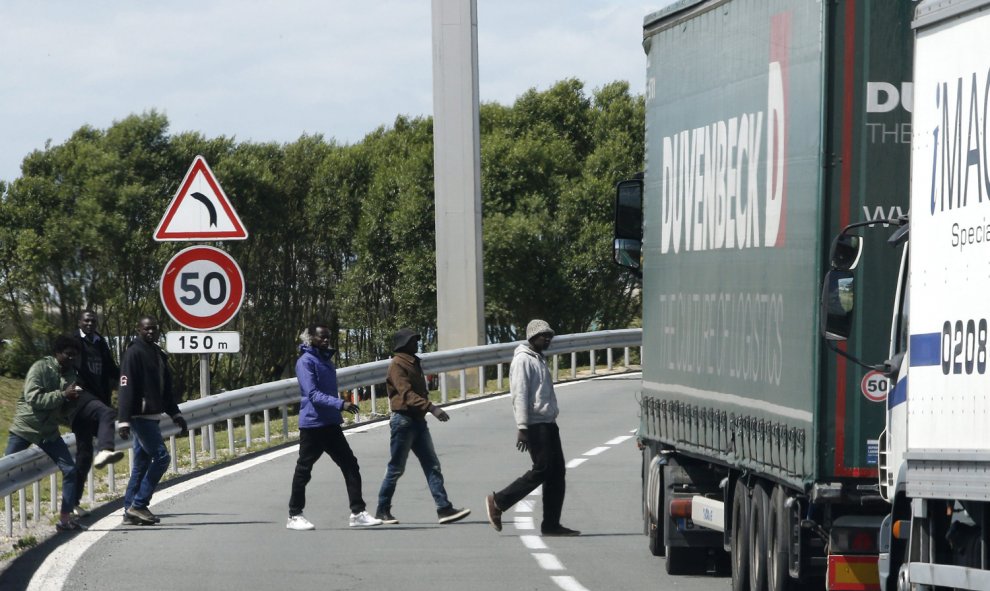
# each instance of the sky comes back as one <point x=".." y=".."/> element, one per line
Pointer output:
<point x="273" y="70"/>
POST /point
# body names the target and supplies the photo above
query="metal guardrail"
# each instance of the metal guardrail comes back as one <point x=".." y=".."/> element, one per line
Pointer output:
<point x="27" y="468"/>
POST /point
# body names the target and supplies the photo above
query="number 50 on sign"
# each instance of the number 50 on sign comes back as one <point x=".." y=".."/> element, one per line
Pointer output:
<point x="202" y="288"/>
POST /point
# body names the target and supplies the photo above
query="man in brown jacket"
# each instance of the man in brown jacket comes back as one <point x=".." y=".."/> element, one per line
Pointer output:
<point x="409" y="400"/>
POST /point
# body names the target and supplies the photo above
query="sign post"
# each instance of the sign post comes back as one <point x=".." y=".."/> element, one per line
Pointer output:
<point x="202" y="288"/>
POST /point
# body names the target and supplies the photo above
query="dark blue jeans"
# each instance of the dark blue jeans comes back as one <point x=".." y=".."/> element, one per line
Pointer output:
<point x="411" y="434"/>
<point x="58" y="451"/>
<point x="151" y="461"/>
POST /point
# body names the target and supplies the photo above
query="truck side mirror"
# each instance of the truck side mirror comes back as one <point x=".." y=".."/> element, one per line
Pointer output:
<point x="845" y="252"/>
<point x="837" y="305"/>
<point x="628" y="243"/>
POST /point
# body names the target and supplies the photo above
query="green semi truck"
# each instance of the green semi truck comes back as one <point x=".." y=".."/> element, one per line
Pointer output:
<point x="771" y="125"/>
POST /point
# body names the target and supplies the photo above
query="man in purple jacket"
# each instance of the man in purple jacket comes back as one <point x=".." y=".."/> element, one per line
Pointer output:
<point x="319" y="429"/>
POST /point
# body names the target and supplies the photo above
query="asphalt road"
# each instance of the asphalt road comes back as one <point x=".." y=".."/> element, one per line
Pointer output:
<point x="226" y="529"/>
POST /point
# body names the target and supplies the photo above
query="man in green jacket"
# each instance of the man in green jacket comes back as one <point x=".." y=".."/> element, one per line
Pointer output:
<point x="50" y="391"/>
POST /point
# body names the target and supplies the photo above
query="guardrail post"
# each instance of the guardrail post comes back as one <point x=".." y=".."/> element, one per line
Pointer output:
<point x="481" y="381"/>
<point x="22" y="506"/>
<point x="556" y="368"/>
<point x="111" y="478"/>
<point x="443" y="388"/>
<point x="230" y="438"/>
<point x="374" y="400"/>
<point x="36" y="500"/>
<point x="573" y="364"/>
<point x="608" y="356"/>
<point x="462" y="378"/>
<point x="192" y="448"/>
<point x="499" y="373"/>
<point x="8" y="514"/>
<point x="625" y="357"/>
<point x="91" y="485"/>
<point x="592" y="362"/>
<point x="173" y="452"/>
<point x="211" y="435"/>
<point x="268" y="426"/>
<point x="53" y="501"/>
<point x="285" y="422"/>
<point x="247" y="431"/>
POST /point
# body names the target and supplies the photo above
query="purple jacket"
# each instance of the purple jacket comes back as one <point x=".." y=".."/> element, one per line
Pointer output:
<point x="319" y="405"/>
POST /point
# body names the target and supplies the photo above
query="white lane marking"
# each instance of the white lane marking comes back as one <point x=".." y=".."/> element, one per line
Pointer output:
<point x="524" y="506"/>
<point x="533" y="542"/>
<point x="568" y="583"/>
<point x="576" y="462"/>
<point x="523" y="523"/>
<point x="596" y="451"/>
<point x="618" y="440"/>
<point x="548" y="561"/>
<point x="538" y="491"/>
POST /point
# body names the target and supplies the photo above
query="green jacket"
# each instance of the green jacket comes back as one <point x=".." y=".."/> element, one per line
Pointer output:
<point x="42" y="404"/>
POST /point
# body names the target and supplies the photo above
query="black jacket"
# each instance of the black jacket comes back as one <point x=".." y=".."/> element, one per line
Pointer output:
<point x="145" y="382"/>
<point x="99" y="384"/>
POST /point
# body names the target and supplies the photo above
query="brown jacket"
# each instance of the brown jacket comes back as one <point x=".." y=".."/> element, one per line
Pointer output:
<point x="406" y="386"/>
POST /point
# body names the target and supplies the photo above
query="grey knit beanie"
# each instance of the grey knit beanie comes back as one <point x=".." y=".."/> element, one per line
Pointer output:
<point x="537" y="327"/>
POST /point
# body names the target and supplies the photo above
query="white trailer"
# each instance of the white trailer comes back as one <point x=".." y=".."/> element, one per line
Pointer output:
<point x="935" y="452"/>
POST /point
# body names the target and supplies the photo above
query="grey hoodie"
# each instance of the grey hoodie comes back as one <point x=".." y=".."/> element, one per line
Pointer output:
<point x="531" y="386"/>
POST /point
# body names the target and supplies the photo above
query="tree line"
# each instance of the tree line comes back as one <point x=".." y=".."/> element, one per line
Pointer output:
<point x="339" y="233"/>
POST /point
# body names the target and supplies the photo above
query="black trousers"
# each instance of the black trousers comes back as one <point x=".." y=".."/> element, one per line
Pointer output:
<point x="312" y="444"/>
<point x="94" y="419"/>
<point x="548" y="469"/>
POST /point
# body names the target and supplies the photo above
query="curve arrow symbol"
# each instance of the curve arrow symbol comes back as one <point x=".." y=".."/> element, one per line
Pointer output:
<point x="208" y="204"/>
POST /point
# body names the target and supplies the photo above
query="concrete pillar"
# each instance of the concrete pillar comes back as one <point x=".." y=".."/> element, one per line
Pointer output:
<point x="457" y="174"/>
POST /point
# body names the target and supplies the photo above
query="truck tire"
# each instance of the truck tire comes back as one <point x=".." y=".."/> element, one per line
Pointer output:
<point x="739" y="539"/>
<point x="653" y="491"/>
<point x="759" y="508"/>
<point x="778" y="543"/>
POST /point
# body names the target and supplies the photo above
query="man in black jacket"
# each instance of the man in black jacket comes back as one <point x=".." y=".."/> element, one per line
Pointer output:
<point x="145" y="393"/>
<point x="93" y="416"/>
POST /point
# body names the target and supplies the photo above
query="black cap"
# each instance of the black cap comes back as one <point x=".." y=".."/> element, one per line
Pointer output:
<point x="402" y="338"/>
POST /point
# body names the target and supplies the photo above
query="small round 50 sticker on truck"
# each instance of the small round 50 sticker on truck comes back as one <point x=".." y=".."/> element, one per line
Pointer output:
<point x="875" y="386"/>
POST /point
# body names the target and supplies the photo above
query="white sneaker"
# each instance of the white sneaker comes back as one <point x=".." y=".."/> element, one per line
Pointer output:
<point x="79" y="511"/>
<point x="299" y="523"/>
<point x="107" y="456"/>
<point x="363" y="519"/>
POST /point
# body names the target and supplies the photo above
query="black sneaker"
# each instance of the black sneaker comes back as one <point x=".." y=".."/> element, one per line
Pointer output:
<point x="142" y="515"/>
<point x="386" y="517"/>
<point x="128" y="520"/>
<point x="559" y="531"/>
<point x="450" y="514"/>
<point x="494" y="513"/>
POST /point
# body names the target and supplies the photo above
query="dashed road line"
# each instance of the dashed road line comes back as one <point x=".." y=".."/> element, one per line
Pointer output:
<point x="546" y="560"/>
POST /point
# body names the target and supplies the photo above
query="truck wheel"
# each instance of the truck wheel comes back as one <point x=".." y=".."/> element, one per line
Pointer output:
<point x="779" y="543"/>
<point x="654" y="495"/>
<point x="758" y="522"/>
<point x="739" y="540"/>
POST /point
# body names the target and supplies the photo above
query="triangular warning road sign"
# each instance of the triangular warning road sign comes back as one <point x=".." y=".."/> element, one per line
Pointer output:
<point x="200" y="210"/>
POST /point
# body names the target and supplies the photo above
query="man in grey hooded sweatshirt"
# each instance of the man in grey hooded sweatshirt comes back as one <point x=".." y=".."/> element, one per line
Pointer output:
<point x="534" y="405"/>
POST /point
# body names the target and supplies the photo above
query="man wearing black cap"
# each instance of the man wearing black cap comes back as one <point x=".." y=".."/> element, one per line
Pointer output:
<point x="534" y="405"/>
<point x="409" y="399"/>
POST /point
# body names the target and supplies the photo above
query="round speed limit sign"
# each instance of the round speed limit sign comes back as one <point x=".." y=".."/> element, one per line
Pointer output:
<point x="202" y="288"/>
<point x="874" y="386"/>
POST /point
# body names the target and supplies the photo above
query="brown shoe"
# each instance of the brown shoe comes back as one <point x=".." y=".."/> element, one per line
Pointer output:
<point x="494" y="513"/>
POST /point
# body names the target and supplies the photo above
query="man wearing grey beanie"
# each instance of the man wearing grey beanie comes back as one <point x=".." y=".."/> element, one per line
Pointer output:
<point x="534" y="405"/>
